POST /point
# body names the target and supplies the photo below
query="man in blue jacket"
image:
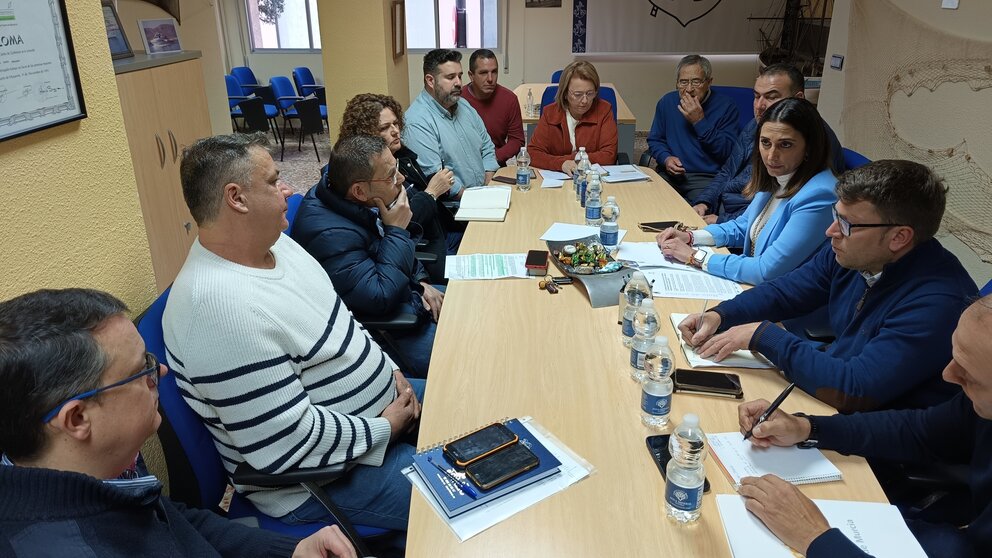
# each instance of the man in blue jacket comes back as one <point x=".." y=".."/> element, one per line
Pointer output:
<point x="892" y="291"/>
<point x="694" y="128"/>
<point x="357" y="223"/>
<point x="958" y="431"/>
<point x="79" y="398"/>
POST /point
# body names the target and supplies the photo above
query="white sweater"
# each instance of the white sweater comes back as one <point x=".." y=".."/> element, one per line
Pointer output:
<point x="277" y="367"/>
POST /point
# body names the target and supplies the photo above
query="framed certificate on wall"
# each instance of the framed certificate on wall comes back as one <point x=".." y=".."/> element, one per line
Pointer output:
<point x="39" y="80"/>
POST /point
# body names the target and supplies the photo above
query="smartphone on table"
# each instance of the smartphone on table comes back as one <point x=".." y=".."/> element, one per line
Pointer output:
<point x="720" y="384"/>
<point x="657" y="226"/>
<point x="489" y="472"/>
<point x="658" y="448"/>
<point x="476" y="445"/>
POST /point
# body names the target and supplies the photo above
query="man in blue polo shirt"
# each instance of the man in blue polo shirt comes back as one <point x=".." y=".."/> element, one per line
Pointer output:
<point x="693" y="130"/>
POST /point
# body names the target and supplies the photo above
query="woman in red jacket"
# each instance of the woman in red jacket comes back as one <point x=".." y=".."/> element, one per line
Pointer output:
<point x="578" y="118"/>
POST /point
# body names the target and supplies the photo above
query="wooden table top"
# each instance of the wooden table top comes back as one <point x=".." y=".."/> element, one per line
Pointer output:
<point x="507" y="349"/>
<point x="624" y="115"/>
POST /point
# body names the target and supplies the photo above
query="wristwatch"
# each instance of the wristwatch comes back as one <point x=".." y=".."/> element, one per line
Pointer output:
<point x="811" y="441"/>
<point x="698" y="257"/>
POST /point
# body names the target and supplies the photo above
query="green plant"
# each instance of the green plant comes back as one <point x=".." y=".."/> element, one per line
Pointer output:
<point x="270" y="10"/>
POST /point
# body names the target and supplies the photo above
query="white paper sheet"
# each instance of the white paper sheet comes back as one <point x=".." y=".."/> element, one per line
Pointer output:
<point x="738" y="359"/>
<point x="552" y="182"/>
<point x="567" y="231"/>
<point x="675" y="283"/>
<point x="557" y="175"/>
<point x="740" y="458"/>
<point x="647" y="254"/>
<point x="485" y="266"/>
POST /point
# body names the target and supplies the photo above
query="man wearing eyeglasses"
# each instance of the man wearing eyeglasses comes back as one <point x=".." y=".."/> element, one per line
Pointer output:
<point x="356" y="223"/>
<point x="79" y="399"/>
<point x="893" y="293"/>
<point x="694" y="128"/>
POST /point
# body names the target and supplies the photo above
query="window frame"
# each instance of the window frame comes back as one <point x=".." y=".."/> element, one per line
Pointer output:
<point x="437" y="32"/>
<point x="294" y="50"/>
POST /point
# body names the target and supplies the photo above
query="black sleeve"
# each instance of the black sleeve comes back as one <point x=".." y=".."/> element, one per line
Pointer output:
<point x="236" y="540"/>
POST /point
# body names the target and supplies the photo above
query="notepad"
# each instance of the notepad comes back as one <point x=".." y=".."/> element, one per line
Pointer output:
<point x="876" y="528"/>
<point x="623" y="173"/>
<point x="738" y="359"/>
<point x="740" y="458"/>
<point x="487" y="203"/>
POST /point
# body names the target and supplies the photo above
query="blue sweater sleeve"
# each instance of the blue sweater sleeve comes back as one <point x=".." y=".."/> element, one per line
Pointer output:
<point x="833" y="544"/>
<point x="740" y="157"/>
<point x="718" y="129"/>
<point x="232" y="539"/>
<point x="657" y="142"/>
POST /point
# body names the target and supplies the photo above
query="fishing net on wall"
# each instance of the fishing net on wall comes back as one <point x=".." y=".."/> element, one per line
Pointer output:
<point x="890" y="54"/>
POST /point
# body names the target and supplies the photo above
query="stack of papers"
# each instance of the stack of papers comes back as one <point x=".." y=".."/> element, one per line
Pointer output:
<point x="622" y="173"/>
<point x="738" y="359"/>
<point x="485" y="203"/>
<point x="678" y="283"/>
<point x="485" y="266"/>
<point x="740" y="458"/>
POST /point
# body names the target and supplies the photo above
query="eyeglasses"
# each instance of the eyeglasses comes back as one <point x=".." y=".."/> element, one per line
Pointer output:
<point x="846" y="226"/>
<point x="151" y="369"/>
<point x="581" y="95"/>
<point x="695" y="82"/>
<point x="393" y="177"/>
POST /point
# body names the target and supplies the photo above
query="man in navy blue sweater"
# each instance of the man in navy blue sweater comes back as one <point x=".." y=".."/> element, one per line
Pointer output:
<point x="893" y="294"/>
<point x="79" y="399"/>
<point x="958" y="431"/>
<point x="694" y="128"/>
<point x="722" y="200"/>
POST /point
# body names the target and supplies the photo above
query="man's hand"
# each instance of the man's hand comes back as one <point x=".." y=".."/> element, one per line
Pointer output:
<point x="781" y="429"/>
<point x="329" y="542"/>
<point x="404" y="412"/>
<point x="690" y="108"/>
<point x="568" y="167"/>
<point x="710" y="219"/>
<point x="697" y="328"/>
<point x="399" y="215"/>
<point x="675" y="249"/>
<point x="433" y="299"/>
<point x="700" y="209"/>
<point x="440" y="183"/>
<point x="673" y="165"/>
<point x="721" y="346"/>
<point x="489" y="177"/>
<point x="786" y="511"/>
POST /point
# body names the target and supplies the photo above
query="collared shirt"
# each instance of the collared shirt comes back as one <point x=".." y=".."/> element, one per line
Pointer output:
<point x="871" y="279"/>
<point x="135" y="479"/>
<point x="458" y="141"/>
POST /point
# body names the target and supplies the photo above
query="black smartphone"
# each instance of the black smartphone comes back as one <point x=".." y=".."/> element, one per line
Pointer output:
<point x="505" y="179"/>
<point x="473" y="447"/>
<point x="658" y="448"/>
<point x="720" y="384"/>
<point x="501" y="466"/>
<point x="656" y="226"/>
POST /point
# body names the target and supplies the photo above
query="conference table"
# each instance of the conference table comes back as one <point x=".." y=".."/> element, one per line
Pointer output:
<point x="626" y="121"/>
<point x="505" y="348"/>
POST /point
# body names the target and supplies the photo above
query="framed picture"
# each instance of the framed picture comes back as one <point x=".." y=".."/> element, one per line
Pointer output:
<point x="159" y="35"/>
<point x="47" y="92"/>
<point x="119" y="47"/>
<point x="399" y="29"/>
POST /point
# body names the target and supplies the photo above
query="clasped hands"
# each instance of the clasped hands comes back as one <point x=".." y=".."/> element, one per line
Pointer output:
<point x="674" y="244"/>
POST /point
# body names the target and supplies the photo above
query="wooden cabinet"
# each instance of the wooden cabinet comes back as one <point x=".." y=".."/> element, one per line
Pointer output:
<point x="165" y="109"/>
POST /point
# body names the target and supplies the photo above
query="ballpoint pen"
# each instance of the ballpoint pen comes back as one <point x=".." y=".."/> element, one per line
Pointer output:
<point x="464" y="486"/>
<point x="771" y="409"/>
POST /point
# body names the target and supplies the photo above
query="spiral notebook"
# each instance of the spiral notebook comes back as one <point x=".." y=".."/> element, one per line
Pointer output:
<point x="740" y="458"/>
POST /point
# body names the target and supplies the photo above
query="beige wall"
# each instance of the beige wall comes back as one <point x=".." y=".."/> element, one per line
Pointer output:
<point x="199" y="30"/>
<point x="71" y="216"/>
<point x="539" y="42"/>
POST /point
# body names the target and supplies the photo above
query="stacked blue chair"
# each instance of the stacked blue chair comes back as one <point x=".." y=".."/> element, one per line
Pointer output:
<point x="306" y="85"/>
<point x="251" y="88"/>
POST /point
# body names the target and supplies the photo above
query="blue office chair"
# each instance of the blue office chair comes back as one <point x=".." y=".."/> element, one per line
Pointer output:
<point x="293" y="202"/>
<point x="556" y="76"/>
<point x="743" y="98"/>
<point x="306" y="85"/>
<point x="853" y="159"/>
<point x="234" y="96"/>
<point x="196" y="476"/>
<point x="986" y="290"/>
<point x="286" y="97"/>
<point x="246" y="78"/>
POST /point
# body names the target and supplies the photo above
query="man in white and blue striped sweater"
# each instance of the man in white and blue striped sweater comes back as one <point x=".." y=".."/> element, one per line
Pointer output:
<point x="271" y="359"/>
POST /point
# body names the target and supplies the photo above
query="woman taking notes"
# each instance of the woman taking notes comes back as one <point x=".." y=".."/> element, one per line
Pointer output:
<point x="793" y="189"/>
<point x="578" y="118"/>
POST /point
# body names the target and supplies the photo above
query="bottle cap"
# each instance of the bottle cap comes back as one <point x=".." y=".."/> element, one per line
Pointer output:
<point x="647" y="303"/>
<point x="690" y="419"/>
<point x="611" y="198"/>
<point x="660" y="339"/>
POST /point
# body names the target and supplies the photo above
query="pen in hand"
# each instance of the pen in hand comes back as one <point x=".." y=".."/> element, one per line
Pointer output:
<point x="464" y="486"/>
<point x="771" y="409"/>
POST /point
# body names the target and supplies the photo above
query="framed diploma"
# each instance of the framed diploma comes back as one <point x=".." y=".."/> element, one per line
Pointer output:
<point x="39" y="81"/>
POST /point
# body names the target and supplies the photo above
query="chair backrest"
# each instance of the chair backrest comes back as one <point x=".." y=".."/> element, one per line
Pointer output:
<point x="556" y="76"/>
<point x="253" y="112"/>
<point x="282" y="87"/>
<point x="293" y="203"/>
<point x="303" y="78"/>
<point x="196" y="476"/>
<point x="548" y="97"/>
<point x="233" y="90"/>
<point x="246" y="78"/>
<point x="605" y="93"/>
<point x="308" y="111"/>
<point x="853" y="159"/>
<point x="987" y="289"/>
<point x="743" y="98"/>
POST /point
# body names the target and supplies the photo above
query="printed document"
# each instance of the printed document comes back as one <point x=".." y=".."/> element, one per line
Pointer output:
<point x="485" y="266"/>
<point x="675" y="283"/>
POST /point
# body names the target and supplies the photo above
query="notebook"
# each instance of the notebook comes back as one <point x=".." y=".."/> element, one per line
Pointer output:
<point x="876" y="528"/>
<point x="739" y="458"/>
<point x="738" y="359"/>
<point x="455" y="502"/>
<point x="485" y="203"/>
<point x="623" y="173"/>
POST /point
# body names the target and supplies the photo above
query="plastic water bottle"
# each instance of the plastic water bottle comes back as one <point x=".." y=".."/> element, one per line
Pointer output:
<point x="637" y="290"/>
<point x="645" y="328"/>
<point x="579" y="176"/>
<point x="530" y="103"/>
<point x="523" y="170"/>
<point x="656" y="389"/>
<point x="584" y="171"/>
<point x="685" y="475"/>
<point x="609" y="231"/>
<point x="594" y="205"/>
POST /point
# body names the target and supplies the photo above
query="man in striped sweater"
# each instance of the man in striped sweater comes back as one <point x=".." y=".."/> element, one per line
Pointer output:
<point x="271" y="359"/>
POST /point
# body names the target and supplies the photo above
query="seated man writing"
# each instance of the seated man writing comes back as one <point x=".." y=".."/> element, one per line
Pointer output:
<point x="958" y="431"/>
<point x="892" y="291"/>
<point x="79" y="398"/>
<point x="270" y="358"/>
<point x="356" y="223"/>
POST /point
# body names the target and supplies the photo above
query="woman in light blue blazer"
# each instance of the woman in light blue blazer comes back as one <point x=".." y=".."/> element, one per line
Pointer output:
<point x="793" y="189"/>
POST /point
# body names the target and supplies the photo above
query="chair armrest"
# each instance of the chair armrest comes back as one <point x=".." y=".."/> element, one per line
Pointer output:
<point x="425" y="257"/>
<point x="288" y="97"/>
<point x="645" y="160"/>
<point x="240" y="97"/>
<point x="252" y="85"/>
<point x="623" y="158"/>
<point x="246" y="474"/>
